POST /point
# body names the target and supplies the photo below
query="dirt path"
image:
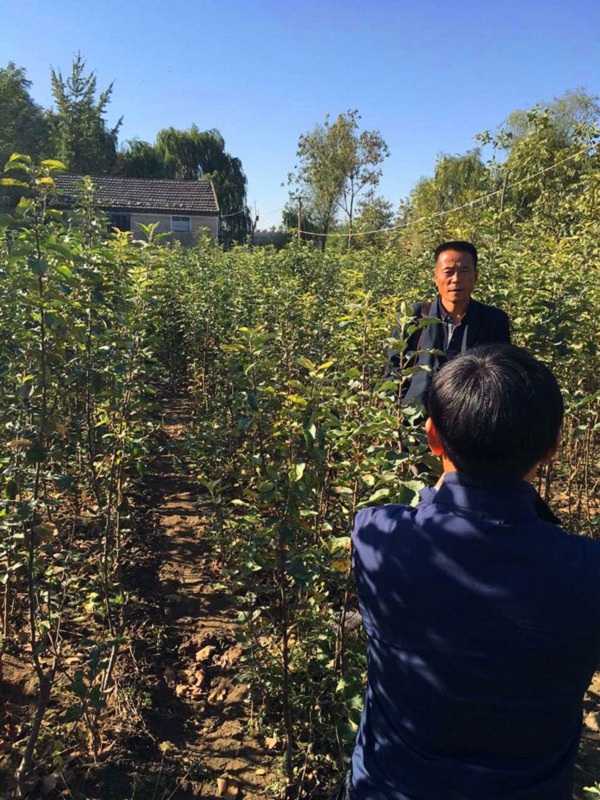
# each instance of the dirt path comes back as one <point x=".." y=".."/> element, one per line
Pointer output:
<point x="200" y="710"/>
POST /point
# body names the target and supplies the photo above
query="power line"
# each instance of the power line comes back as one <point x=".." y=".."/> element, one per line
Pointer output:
<point x="435" y="214"/>
<point x="235" y="213"/>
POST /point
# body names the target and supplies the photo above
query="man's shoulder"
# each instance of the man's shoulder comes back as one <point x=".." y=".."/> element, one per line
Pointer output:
<point x="490" y="324"/>
<point x="381" y="519"/>
<point x="489" y="311"/>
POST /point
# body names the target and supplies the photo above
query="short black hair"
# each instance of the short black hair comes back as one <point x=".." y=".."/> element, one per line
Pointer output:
<point x="461" y="247"/>
<point x="497" y="410"/>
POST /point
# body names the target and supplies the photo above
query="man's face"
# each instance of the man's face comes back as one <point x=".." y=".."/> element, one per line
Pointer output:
<point x="455" y="276"/>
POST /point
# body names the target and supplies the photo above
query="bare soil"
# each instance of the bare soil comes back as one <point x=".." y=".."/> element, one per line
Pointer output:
<point x="178" y="725"/>
<point x="198" y="715"/>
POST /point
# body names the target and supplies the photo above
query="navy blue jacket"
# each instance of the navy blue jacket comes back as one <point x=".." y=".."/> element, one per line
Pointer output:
<point x="483" y="625"/>
<point x="485" y="325"/>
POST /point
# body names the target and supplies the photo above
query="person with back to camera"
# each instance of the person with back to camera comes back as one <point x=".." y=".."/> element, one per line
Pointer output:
<point x="483" y="620"/>
<point x="465" y="322"/>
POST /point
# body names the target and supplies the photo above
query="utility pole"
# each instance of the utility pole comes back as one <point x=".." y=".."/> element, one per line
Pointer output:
<point x="253" y="225"/>
<point x="298" y="197"/>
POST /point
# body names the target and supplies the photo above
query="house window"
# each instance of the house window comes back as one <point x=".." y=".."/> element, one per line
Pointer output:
<point x="120" y="221"/>
<point x="181" y="224"/>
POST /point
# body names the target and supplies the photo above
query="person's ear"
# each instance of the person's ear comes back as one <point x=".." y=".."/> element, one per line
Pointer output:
<point x="433" y="438"/>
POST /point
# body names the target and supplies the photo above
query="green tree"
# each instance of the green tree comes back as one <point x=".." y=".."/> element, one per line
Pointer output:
<point x="448" y="205"/>
<point x="565" y="114"/>
<point x="544" y="152"/>
<point x="336" y="164"/>
<point x="140" y="159"/>
<point x="189" y="155"/>
<point x="80" y="136"/>
<point x="375" y="215"/>
<point x="23" y="128"/>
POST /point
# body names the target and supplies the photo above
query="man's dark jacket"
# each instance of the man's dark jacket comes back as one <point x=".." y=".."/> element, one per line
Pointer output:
<point x="483" y="623"/>
<point x="484" y="325"/>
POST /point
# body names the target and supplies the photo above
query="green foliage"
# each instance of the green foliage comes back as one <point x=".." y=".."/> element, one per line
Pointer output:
<point x="296" y="424"/>
<point x="336" y="164"/>
<point x="23" y="128"/>
<point x="76" y="357"/>
<point x="79" y="135"/>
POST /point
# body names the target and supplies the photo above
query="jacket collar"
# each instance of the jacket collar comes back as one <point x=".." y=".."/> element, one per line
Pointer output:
<point x="433" y="336"/>
<point x="504" y="502"/>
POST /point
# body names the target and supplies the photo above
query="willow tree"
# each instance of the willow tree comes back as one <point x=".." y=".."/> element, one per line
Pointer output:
<point x="447" y="205"/>
<point x="139" y="159"/>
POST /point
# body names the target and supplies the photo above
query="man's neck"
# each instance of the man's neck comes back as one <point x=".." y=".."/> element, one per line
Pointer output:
<point x="455" y="310"/>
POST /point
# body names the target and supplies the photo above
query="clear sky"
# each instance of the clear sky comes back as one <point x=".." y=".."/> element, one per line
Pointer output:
<point x="427" y="74"/>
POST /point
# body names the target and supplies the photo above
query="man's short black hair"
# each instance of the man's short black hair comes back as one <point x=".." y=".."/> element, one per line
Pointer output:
<point x="497" y="410"/>
<point x="461" y="247"/>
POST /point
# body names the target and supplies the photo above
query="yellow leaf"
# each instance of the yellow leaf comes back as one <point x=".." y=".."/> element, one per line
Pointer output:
<point x="341" y="564"/>
<point x="49" y="162"/>
<point x="12" y="182"/>
<point x="16" y="443"/>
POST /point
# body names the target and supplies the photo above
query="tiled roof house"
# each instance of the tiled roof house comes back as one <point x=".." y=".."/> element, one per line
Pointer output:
<point x="180" y="208"/>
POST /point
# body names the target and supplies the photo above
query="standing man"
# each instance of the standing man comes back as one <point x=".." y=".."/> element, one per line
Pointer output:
<point x="464" y="322"/>
<point x="483" y="620"/>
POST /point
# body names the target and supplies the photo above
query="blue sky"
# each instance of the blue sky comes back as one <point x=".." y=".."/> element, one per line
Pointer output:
<point x="428" y="75"/>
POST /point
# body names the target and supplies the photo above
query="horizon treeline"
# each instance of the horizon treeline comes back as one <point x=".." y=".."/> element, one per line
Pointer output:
<point x="519" y="169"/>
<point x="523" y="165"/>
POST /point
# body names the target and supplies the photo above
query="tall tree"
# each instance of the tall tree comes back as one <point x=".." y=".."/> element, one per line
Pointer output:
<point x="565" y="113"/>
<point x="336" y="164"/>
<point x="546" y="148"/>
<point x="189" y="155"/>
<point x="80" y="135"/>
<point x="23" y="128"/>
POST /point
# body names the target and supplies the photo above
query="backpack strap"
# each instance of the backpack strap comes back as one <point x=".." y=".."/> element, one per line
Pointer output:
<point x="425" y="309"/>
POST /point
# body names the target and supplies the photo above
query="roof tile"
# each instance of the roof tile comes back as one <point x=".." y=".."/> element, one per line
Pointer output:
<point x="144" y="194"/>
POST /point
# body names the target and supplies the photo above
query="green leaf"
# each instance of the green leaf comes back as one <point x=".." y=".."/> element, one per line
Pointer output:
<point x="297" y="471"/>
<point x="307" y="363"/>
<point x="39" y="266"/>
<point x="64" y="271"/>
<point x="11" y="489"/>
<point x="378" y="495"/>
<point x="36" y="453"/>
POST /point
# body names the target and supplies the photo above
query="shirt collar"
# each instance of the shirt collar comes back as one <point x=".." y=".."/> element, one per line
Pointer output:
<point x="505" y="501"/>
<point x="446" y="317"/>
